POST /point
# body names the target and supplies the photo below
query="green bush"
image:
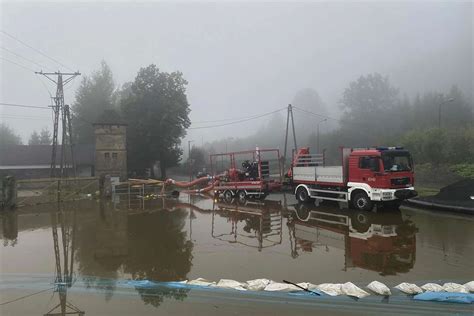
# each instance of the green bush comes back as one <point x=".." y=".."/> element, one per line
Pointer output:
<point x="438" y="146"/>
<point x="465" y="170"/>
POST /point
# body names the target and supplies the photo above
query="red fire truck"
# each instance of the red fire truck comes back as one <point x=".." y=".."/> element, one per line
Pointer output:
<point x="243" y="174"/>
<point x="366" y="176"/>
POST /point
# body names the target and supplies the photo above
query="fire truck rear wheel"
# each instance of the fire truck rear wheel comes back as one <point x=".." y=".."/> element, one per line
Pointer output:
<point x="242" y="195"/>
<point x="228" y="195"/>
<point x="302" y="195"/>
<point x="362" y="202"/>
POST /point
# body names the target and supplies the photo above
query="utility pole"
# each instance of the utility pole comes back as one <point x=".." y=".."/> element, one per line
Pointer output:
<point x="317" y="136"/>
<point x="61" y="109"/>
<point x="289" y="114"/>
<point x="189" y="160"/>
<point x="439" y="109"/>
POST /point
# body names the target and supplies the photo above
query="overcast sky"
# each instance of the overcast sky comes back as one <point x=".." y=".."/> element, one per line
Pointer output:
<point x="240" y="58"/>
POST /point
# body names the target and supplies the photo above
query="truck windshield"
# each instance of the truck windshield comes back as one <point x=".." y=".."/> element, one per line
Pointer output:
<point x="397" y="161"/>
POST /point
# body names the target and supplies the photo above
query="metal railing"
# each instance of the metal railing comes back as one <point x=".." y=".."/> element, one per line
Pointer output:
<point x="309" y="160"/>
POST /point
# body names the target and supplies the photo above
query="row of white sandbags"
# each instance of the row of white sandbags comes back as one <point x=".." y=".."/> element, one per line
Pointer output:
<point x="410" y="288"/>
<point x="334" y="289"/>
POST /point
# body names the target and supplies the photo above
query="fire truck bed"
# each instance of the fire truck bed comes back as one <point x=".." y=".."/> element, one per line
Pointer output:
<point x="331" y="174"/>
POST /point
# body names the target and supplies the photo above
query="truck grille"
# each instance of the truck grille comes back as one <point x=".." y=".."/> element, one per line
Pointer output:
<point x="400" y="181"/>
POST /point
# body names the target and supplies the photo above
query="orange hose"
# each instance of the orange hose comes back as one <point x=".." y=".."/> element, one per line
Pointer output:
<point x="183" y="184"/>
<point x="203" y="190"/>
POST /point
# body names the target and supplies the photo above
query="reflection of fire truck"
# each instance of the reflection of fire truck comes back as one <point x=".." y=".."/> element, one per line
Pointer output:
<point x="381" y="242"/>
<point x="262" y="223"/>
<point x="253" y="173"/>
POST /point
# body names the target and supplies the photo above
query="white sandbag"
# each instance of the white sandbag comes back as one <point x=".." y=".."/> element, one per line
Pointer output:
<point x="432" y="287"/>
<point x="454" y="288"/>
<point x="333" y="289"/>
<point x="257" y="284"/>
<point x="379" y="288"/>
<point x="409" y="288"/>
<point x="201" y="282"/>
<point x="281" y="287"/>
<point x="351" y="289"/>
<point x="469" y="286"/>
<point x="308" y="286"/>
<point x="231" y="284"/>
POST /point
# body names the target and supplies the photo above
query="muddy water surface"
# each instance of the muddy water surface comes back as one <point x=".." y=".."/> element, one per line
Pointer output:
<point x="195" y="236"/>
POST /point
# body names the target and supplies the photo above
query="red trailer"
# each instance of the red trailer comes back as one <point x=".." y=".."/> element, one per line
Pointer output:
<point x="260" y="173"/>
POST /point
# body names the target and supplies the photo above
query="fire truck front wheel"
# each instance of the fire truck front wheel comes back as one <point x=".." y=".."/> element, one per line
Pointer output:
<point x="362" y="202"/>
<point x="302" y="195"/>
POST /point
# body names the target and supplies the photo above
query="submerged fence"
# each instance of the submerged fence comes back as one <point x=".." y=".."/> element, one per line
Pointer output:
<point x="47" y="190"/>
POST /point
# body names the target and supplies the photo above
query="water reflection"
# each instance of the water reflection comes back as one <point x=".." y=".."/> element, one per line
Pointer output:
<point x="106" y="243"/>
<point x="262" y="223"/>
<point x="63" y="228"/>
<point x="159" y="250"/>
<point x="148" y="245"/>
<point x="383" y="242"/>
<point x="9" y="228"/>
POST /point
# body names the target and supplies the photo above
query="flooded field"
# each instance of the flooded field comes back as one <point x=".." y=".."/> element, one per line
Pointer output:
<point x="196" y="236"/>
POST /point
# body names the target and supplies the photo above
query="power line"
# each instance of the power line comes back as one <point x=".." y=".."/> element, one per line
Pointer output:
<point x="36" y="50"/>
<point x="24" y="58"/>
<point x="27" y="68"/>
<point x="227" y="119"/>
<point x="315" y="114"/>
<point x="19" y="65"/>
<point x="34" y="118"/>
<point x="26" y="106"/>
<point x="239" y="121"/>
<point x="26" y="296"/>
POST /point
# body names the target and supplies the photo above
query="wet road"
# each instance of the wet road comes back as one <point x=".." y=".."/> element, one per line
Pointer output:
<point x="195" y="236"/>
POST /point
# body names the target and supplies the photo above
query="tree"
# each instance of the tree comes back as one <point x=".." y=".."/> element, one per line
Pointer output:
<point x="8" y="136"/>
<point x="198" y="159"/>
<point x="95" y="94"/>
<point x="368" y="94"/>
<point x="458" y="112"/>
<point x="34" y="139"/>
<point x="156" y="111"/>
<point x="122" y="93"/>
<point x="372" y="110"/>
<point x="45" y="137"/>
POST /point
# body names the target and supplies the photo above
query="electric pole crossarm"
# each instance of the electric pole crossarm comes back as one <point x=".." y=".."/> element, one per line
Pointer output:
<point x="46" y="76"/>
<point x="58" y="73"/>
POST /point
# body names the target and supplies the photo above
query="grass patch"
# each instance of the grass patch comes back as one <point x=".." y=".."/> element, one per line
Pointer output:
<point x="465" y="170"/>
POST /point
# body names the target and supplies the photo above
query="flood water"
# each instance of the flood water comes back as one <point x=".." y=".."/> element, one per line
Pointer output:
<point x="196" y="236"/>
